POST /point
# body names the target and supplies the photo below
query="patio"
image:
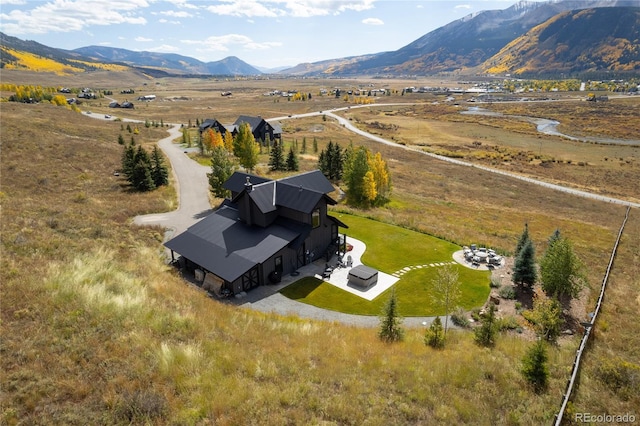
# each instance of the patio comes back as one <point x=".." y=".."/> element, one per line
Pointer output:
<point x="339" y="276"/>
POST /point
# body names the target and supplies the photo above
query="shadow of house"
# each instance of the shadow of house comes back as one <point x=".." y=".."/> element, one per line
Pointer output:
<point x="269" y="228"/>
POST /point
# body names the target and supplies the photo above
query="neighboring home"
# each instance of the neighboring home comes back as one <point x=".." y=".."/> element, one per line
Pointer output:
<point x="269" y="228"/>
<point x="259" y="127"/>
<point x="213" y="124"/>
<point x="147" y="98"/>
<point x="114" y="104"/>
<point x="126" y="104"/>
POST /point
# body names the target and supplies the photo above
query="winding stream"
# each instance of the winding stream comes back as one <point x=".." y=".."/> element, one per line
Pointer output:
<point x="550" y="127"/>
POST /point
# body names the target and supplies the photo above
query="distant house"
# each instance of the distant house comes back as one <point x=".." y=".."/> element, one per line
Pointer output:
<point x="114" y="104"/>
<point x="147" y="98"/>
<point x="259" y="127"/>
<point x="126" y="104"/>
<point x="268" y="228"/>
<point x="213" y="124"/>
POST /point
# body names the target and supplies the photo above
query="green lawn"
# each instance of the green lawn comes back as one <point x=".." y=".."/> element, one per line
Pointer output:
<point x="389" y="249"/>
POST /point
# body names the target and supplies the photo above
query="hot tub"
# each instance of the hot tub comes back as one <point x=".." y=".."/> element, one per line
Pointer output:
<point x="363" y="276"/>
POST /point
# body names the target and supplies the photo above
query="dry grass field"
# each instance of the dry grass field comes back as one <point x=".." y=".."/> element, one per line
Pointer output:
<point x="96" y="329"/>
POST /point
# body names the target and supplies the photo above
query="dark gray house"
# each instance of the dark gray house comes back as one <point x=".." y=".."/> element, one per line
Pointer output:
<point x="259" y="127"/>
<point x="213" y="124"/>
<point x="268" y="228"/>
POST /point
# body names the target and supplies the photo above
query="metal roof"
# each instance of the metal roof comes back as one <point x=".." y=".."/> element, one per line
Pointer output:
<point x="228" y="247"/>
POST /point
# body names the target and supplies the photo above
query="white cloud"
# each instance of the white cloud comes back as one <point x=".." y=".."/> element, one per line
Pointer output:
<point x="182" y="4"/>
<point x="139" y="38"/>
<point x="463" y="6"/>
<point x="226" y="42"/>
<point x="295" y="8"/>
<point x="165" y="48"/>
<point x="243" y="8"/>
<point x="174" y="14"/>
<point x="372" y="21"/>
<point x="166" y="21"/>
<point x="70" y="15"/>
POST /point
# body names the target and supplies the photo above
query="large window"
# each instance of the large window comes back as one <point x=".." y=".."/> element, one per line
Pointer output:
<point x="315" y="218"/>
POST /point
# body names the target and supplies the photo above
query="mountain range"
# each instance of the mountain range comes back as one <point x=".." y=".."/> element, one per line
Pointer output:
<point x="528" y="39"/>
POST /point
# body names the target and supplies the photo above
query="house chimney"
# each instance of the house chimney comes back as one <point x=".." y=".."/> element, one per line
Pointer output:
<point x="248" y="186"/>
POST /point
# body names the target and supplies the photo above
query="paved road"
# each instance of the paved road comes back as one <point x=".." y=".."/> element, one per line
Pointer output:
<point x="347" y="124"/>
<point x="193" y="189"/>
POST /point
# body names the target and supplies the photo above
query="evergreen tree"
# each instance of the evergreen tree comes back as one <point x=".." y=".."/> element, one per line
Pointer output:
<point x="276" y="157"/>
<point x="335" y="162"/>
<point x="561" y="271"/>
<point x="434" y="336"/>
<point x="524" y="268"/>
<point x="222" y="168"/>
<point x="485" y="334"/>
<point x="315" y="145"/>
<point x="120" y="139"/>
<point x="304" y="145"/>
<point x="159" y="171"/>
<point x="524" y="237"/>
<point x="292" y="161"/>
<point x="128" y="161"/>
<point x="390" y="321"/>
<point x="534" y="366"/>
<point x="141" y="177"/>
<point x="554" y="237"/>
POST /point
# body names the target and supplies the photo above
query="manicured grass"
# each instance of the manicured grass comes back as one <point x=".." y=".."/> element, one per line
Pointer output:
<point x="390" y="248"/>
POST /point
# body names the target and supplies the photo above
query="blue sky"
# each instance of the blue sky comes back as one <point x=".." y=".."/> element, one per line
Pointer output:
<point x="263" y="33"/>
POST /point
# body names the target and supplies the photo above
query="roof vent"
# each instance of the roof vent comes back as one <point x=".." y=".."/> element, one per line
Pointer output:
<point x="248" y="186"/>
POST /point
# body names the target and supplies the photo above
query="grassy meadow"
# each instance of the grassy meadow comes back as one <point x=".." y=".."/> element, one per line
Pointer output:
<point x="97" y="329"/>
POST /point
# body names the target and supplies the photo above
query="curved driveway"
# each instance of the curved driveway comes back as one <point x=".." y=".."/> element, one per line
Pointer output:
<point x="192" y="187"/>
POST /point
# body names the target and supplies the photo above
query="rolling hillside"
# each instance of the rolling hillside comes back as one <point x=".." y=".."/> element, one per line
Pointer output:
<point x="575" y="41"/>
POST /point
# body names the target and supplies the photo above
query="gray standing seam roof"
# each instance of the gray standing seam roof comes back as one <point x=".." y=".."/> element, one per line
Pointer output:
<point x="222" y="244"/>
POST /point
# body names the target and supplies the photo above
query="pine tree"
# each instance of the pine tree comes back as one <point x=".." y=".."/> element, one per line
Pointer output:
<point x="276" y="157"/>
<point x="390" y="321"/>
<point x="485" y="334"/>
<point x="335" y="162"/>
<point x="534" y="366"/>
<point x="128" y="161"/>
<point x="524" y="237"/>
<point x="292" y="161"/>
<point x="120" y="139"/>
<point x="315" y="145"/>
<point x="524" y="268"/>
<point x="304" y="145"/>
<point x="141" y="177"/>
<point x="434" y="336"/>
<point x="222" y="168"/>
<point x="159" y="171"/>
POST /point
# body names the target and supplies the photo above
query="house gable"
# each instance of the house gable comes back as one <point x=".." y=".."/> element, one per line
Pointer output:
<point x="265" y="220"/>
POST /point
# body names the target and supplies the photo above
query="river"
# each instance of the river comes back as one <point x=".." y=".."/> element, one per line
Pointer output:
<point x="550" y="127"/>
